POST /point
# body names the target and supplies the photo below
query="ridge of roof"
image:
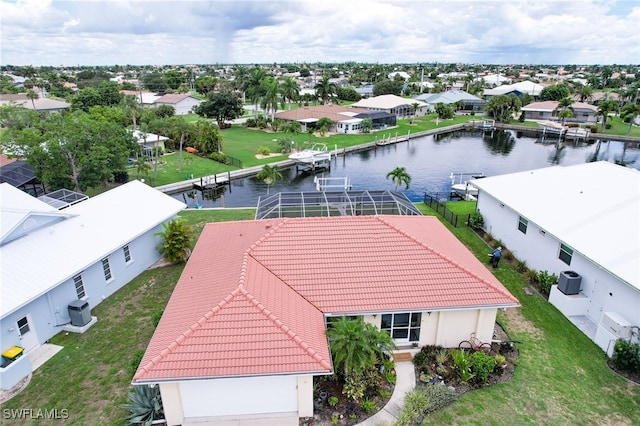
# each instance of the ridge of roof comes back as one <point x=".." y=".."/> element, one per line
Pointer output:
<point x="447" y="259"/>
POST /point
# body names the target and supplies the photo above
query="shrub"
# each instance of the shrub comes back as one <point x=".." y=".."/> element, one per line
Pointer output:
<point x="500" y="363"/>
<point x="368" y="406"/>
<point x="520" y="266"/>
<point x="354" y="387"/>
<point x="135" y="360"/>
<point x="285" y="145"/>
<point x="439" y="397"/>
<point x="476" y="221"/>
<point x="462" y="364"/>
<point x="263" y="150"/>
<point x="218" y="156"/>
<point x="384" y="393"/>
<point x="427" y="356"/>
<point x="507" y="254"/>
<point x="416" y="404"/>
<point x="372" y="381"/>
<point x="482" y="366"/>
<point x="333" y="401"/>
<point x="626" y="356"/>
<point x="251" y="122"/>
<point x="546" y="280"/>
<point x="531" y="276"/>
<point x="391" y="378"/>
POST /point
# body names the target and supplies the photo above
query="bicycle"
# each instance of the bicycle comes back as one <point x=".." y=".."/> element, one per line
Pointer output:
<point x="474" y="344"/>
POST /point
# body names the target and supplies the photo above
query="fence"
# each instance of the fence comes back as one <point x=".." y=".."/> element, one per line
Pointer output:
<point x="234" y="162"/>
<point x="443" y="211"/>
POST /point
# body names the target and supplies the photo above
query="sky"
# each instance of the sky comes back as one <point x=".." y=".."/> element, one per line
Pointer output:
<point x="149" y="32"/>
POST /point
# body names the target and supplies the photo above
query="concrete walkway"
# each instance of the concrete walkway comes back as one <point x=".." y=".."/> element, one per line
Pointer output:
<point x="405" y="381"/>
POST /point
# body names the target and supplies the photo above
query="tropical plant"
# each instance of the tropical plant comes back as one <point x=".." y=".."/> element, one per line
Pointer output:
<point x="325" y="90"/>
<point x="290" y="90"/>
<point x="145" y="405"/>
<point x="399" y="176"/>
<point x="629" y="113"/>
<point x="444" y="111"/>
<point x="462" y="363"/>
<point x="604" y="108"/>
<point x="33" y="95"/>
<point x="368" y="405"/>
<point x="269" y="174"/>
<point x="333" y="401"/>
<point x="176" y="240"/>
<point x="476" y="221"/>
<point x="142" y="167"/>
<point x="353" y="387"/>
<point x="546" y="280"/>
<point x="416" y="403"/>
<point x="366" y="125"/>
<point x="270" y="96"/>
<point x="355" y="345"/>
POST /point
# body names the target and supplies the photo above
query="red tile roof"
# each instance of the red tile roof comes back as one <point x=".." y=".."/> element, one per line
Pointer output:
<point x="252" y="298"/>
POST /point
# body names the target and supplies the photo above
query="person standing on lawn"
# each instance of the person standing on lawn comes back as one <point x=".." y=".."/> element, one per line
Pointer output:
<point x="495" y="257"/>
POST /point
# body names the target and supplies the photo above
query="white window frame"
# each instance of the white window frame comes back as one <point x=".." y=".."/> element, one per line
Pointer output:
<point x="106" y="268"/>
<point x="79" y="285"/>
<point x="566" y="254"/>
<point x="126" y="251"/>
<point x="523" y="223"/>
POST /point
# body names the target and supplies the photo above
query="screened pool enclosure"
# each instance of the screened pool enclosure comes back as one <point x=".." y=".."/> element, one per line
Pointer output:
<point x="341" y="203"/>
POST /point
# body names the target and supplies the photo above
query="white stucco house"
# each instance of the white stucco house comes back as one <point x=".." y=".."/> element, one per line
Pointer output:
<point x="51" y="259"/>
<point x="182" y="103"/>
<point x="393" y="104"/>
<point x="243" y="334"/>
<point x="581" y="223"/>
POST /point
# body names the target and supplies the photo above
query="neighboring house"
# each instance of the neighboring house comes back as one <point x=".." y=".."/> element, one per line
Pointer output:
<point x="396" y="105"/>
<point x="245" y="325"/>
<point x="518" y="89"/>
<point x="182" y="103"/>
<point x="493" y="80"/>
<point x="145" y="99"/>
<point x="400" y="74"/>
<point x="40" y="104"/>
<point x="345" y="119"/>
<point x="471" y="102"/>
<point x="548" y="110"/>
<point x="366" y="91"/>
<point x="584" y="219"/>
<point x="148" y="141"/>
<point x="53" y="258"/>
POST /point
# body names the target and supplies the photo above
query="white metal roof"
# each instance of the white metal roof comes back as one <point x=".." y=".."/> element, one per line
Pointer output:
<point x="387" y="102"/>
<point x="35" y="263"/>
<point x="594" y="208"/>
<point x="15" y="206"/>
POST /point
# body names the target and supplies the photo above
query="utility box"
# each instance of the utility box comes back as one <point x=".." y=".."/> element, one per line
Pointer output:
<point x="616" y="324"/>
<point x="80" y="313"/>
<point x="569" y="282"/>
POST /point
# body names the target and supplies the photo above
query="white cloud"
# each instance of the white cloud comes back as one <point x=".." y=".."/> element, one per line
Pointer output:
<point x="45" y="32"/>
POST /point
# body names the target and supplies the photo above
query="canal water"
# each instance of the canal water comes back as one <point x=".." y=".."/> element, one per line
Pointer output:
<point x="429" y="160"/>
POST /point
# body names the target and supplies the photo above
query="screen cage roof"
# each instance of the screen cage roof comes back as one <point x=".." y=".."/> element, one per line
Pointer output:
<point x="62" y="198"/>
<point x="340" y="203"/>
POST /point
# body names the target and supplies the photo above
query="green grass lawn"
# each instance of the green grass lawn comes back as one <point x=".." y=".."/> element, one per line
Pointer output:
<point x="619" y="127"/>
<point x="561" y="377"/>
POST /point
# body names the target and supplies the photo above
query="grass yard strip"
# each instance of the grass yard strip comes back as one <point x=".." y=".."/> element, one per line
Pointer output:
<point x="561" y="377"/>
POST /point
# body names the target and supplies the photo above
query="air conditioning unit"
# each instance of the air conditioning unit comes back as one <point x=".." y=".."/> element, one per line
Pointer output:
<point x="569" y="282"/>
<point x="616" y="324"/>
<point x="80" y="313"/>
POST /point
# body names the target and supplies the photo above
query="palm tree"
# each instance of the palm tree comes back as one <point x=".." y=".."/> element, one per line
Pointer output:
<point x="604" y="108"/>
<point x="399" y="176"/>
<point x="566" y="108"/>
<point x="131" y="108"/>
<point x="270" y="95"/>
<point x="414" y="110"/>
<point x="269" y="174"/>
<point x="142" y="167"/>
<point x="255" y="87"/>
<point x="290" y="90"/>
<point x="630" y="112"/>
<point x="355" y="344"/>
<point x="241" y="80"/>
<point x="31" y="94"/>
<point x="584" y="92"/>
<point x="325" y="90"/>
